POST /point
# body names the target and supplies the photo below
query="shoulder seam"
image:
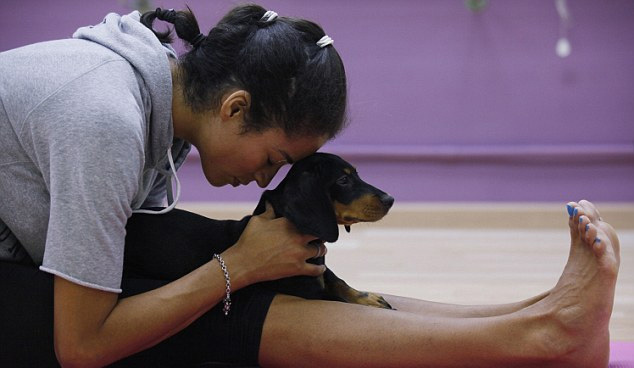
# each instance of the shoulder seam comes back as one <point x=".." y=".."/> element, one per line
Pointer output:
<point x="28" y="114"/>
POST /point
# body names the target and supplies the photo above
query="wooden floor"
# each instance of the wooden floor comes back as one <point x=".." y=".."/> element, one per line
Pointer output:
<point x="468" y="253"/>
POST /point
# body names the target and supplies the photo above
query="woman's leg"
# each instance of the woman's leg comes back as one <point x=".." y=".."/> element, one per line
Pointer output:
<point x="432" y="309"/>
<point x="567" y="328"/>
<point x="26" y="317"/>
<point x="163" y="248"/>
<point x="212" y="338"/>
<point x="330" y="334"/>
<point x="169" y="246"/>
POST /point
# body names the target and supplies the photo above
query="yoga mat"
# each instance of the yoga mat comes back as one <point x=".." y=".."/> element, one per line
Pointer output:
<point x="621" y="354"/>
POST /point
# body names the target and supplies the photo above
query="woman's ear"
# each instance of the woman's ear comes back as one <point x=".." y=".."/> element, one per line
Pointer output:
<point x="235" y="105"/>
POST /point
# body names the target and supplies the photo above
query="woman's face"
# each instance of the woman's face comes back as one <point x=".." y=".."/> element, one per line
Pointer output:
<point x="229" y="156"/>
<point x="235" y="158"/>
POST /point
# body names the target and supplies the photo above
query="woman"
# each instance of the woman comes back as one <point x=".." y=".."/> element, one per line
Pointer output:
<point x="93" y="130"/>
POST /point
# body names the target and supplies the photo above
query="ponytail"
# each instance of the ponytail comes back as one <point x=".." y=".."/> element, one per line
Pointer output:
<point x="184" y="21"/>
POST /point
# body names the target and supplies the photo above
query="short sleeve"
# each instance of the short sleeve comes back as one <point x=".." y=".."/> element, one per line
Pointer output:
<point x="94" y="155"/>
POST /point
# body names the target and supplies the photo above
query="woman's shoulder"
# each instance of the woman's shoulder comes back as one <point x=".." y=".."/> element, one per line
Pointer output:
<point x="67" y="76"/>
<point x="43" y="68"/>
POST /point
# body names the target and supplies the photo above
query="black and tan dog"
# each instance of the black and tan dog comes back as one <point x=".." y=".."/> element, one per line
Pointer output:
<point x="319" y="193"/>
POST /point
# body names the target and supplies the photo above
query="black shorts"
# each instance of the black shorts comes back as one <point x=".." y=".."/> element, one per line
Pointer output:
<point x="159" y="249"/>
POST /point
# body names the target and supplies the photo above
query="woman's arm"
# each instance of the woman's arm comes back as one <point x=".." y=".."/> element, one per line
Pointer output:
<point x="95" y="328"/>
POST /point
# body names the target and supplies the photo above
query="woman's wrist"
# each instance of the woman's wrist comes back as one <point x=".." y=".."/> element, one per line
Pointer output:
<point x="238" y="273"/>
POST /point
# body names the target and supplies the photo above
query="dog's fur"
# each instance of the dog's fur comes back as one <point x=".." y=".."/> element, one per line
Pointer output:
<point x="319" y="193"/>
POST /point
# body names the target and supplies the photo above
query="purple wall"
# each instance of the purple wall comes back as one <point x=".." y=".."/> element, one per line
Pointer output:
<point x="447" y="104"/>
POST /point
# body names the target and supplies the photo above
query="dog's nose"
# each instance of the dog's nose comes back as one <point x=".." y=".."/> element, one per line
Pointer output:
<point x="387" y="200"/>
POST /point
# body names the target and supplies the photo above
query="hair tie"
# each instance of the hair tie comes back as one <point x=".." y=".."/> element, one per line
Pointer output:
<point x="196" y="41"/>
<point x="325" y="41"/>
<point x="269" y="16"/>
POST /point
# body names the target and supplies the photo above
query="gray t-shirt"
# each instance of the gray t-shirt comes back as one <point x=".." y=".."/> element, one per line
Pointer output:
<point x="85" y="126"/>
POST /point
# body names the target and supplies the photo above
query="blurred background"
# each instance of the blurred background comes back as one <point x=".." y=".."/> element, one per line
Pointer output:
<point x="450" y="100"/>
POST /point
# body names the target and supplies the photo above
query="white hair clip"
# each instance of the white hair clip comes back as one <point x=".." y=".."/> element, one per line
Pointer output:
<point x="325" y="41"/>
<point x="269" y="16"/>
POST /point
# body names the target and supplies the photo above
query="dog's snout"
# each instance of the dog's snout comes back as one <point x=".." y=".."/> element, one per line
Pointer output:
<point x="387" y="200"/>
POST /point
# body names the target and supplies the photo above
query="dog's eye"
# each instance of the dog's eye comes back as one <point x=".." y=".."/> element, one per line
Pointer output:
<point x="343" y="180"/>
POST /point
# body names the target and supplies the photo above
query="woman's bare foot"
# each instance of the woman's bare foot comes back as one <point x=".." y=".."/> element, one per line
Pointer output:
<point x="578" y="309"/>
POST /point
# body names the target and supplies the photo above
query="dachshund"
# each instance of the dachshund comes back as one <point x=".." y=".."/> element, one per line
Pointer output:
<point x="319" y="193"/>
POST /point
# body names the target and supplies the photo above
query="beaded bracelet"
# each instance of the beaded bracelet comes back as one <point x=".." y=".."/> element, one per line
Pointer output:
<point x="227" y="299"/>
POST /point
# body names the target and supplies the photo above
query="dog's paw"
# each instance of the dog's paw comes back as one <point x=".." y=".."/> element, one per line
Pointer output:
<point x="372" y="300"/>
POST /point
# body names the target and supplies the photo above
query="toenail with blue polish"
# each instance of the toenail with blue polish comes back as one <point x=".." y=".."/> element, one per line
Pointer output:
<point x="574" y="213"/>
<point x="587" y="227"/>
<point x="597" y="240"/>
<point x="570" y="209"/>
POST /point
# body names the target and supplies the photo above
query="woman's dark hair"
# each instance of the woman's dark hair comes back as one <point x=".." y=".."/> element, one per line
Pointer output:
<point x="294" y="83"/>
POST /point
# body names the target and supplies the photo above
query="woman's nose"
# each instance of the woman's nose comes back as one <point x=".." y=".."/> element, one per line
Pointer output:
<point x="262" y="180"/>
<point x="264" y="177"/>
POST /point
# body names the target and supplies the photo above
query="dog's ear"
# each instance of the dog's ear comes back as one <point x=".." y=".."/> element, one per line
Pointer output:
<point x="308" y="206"/>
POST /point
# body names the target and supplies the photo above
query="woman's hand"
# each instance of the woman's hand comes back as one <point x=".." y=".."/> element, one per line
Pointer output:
<point x="271" y="249"/>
